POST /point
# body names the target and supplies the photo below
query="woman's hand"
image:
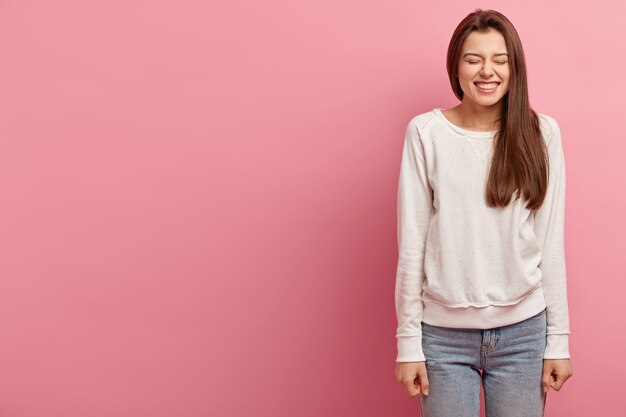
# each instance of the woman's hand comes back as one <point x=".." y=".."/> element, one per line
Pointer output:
<point x="413" y="376"/>
<point x="555" y="373"/>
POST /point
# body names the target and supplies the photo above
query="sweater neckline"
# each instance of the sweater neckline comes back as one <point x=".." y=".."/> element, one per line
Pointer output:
<point x="487" y="135"/>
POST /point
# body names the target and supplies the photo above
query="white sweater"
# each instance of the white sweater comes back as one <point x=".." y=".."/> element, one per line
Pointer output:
<point x="463" y="264"/>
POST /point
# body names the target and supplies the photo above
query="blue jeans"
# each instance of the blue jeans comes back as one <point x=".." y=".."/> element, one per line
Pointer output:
<point x="508" y="360"/>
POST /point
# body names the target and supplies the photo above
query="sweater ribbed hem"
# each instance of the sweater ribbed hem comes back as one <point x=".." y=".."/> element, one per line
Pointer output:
<point x="557" y="345"/>
<point x="484" y="317"/>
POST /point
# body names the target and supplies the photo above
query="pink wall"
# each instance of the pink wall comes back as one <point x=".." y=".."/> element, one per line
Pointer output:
<point x="197" y="212"/>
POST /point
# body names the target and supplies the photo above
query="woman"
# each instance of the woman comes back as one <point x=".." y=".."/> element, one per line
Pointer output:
<point x="481" y="280"/>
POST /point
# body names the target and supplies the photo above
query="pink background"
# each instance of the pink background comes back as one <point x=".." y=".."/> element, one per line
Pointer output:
<point x="197" y="212"/>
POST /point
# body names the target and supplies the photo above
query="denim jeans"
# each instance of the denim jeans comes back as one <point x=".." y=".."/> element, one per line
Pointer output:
<point x="508" y="360"/>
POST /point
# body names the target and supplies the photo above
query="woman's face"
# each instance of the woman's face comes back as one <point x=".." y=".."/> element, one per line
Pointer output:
<point x="484" y="59"/>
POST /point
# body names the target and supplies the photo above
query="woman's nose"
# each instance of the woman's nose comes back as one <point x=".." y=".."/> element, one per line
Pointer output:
<point x="487" y="69"/>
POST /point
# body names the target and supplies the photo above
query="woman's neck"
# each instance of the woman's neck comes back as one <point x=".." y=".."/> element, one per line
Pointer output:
<point x="476" y="117"/>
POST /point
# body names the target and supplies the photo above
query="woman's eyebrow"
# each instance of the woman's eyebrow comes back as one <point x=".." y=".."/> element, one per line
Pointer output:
<point x="479" y="55"/>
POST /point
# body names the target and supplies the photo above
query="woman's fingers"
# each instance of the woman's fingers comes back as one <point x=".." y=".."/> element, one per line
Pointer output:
<point x="555" y="373"/>
<point x="413" y="377"/>
<point x="422" y="377"/>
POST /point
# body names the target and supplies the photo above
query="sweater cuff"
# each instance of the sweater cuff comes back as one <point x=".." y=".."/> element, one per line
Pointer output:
<point x="557" y="346"/>
<point x="410" y="349"/>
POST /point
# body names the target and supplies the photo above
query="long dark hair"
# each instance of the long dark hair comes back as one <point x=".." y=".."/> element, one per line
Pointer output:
<point x="520" y="157"/>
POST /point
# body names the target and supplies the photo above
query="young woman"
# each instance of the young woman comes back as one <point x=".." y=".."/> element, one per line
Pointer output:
<point x="481" y="292"/>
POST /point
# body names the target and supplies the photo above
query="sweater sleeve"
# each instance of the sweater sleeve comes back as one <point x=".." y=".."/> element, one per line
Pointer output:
<point x="414" y="205"/>
<point x="549" y="230"/>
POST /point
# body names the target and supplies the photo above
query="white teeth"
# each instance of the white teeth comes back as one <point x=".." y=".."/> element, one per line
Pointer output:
<point x="487" y="86"/>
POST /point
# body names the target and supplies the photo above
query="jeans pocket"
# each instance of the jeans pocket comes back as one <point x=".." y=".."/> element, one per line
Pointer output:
<point x="536" y="323"/>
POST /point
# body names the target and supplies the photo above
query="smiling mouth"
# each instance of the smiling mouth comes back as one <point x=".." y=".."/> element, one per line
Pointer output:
<point x="487" y="86"/>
